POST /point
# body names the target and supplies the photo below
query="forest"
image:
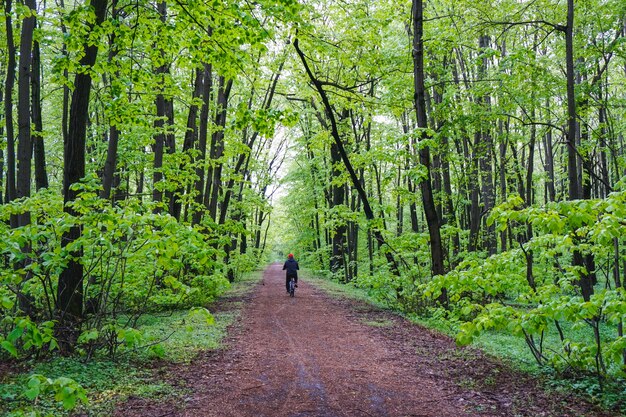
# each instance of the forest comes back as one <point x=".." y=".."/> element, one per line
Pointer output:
<point x="462" y="161"/>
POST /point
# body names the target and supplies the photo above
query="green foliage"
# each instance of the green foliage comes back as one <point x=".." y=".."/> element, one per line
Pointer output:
<point x="135" y="261"/>
<point x="175" y="336"/>
<point x="496" y="294"/>
<point x="60" y="395"/>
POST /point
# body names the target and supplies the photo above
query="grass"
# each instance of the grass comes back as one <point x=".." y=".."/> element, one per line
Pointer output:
<point x="181" y="337"/>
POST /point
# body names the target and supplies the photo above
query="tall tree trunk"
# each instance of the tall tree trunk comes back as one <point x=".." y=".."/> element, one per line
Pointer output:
<point x="41" y="175"/>
<point x="214" y="178"/>
<point x="244" y="157"/>
<point x="8" y="107"/>
<point x="572" y="154"/>
<point x="191" y="135"/>
<point x="207" y="87"/>
<point x="485" y="150"/>
<point x="338" y="198"/>
<point x="25" y="145"/>
<point x="164" y="140"/>
<point x="436" y="246"/>
<point x="69" y="306"/>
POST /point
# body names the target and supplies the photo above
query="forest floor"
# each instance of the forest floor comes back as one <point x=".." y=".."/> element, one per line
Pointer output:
<point x="317" y="355"/>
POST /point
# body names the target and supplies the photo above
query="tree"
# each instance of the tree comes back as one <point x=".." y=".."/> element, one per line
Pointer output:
<point x="69" y="305"/>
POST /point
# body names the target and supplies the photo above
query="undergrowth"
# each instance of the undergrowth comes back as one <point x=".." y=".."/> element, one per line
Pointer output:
<point x="171" y="337"/>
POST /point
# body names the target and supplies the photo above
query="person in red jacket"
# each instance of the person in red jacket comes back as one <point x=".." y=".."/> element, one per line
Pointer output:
<point x="291" y="266"/>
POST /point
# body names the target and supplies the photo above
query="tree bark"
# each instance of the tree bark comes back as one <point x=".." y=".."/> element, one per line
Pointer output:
<point x="111" y="159"/>
<point x="436" y="246"/>
<point x="207" y="87"/>
<point x="25" y="145"/>
<point x="69" y="306"/>
<point x="9" y="84"/>
<point x="574" y="188"/>
<point x="164" y="140"/>
<point x="41" y="175"/>
<point x="214" y="177"/>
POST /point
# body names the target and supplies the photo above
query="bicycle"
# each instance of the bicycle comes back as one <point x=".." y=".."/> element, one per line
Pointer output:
<point x="292" y="287"/>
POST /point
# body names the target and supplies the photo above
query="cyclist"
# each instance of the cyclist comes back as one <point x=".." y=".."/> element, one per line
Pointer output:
<point x="291" y="266"/>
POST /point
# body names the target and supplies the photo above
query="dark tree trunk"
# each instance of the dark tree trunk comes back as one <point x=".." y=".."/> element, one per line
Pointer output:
<point x="164" y="140"/>
<point x="25" y="145"/>
<point x="214" y="177"/>
<point x="191" y="135"/>
<point x="8" y="107"/>
<point x="41" y="176"/>
<point x="503" y="177"/>
<point x="474" y="214"/>
<point x="486" y="159"/>
<point x="69" y="307"/>
<point x="436" y="246"/>
<point x="338" y="199"/>
<point x="207" y="87"/>
<point x="244" y="157"/>
<point x="574" y="190"/>
<point x="549" y="162"/>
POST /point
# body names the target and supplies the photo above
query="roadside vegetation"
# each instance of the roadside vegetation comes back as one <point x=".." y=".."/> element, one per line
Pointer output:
<point x="59" y="386"/>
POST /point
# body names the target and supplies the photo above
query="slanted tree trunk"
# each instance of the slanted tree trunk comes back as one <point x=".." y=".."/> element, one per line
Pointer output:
<point x="369" y="214"/>
<point x="69" y="305"/>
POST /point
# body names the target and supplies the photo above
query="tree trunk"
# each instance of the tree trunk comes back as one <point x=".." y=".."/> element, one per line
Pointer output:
<point x="69" y="306"/>
<point x="111" y="159"/>
<point x="214" y="177"/>
<point x="191" y="135"/>
<point x="572" y="154"/>
<point x="549" y="161"/>
<point x="436" y="247"/>
<point x="41" y="176"/>
<point x="8" y="108"/>
<point x="25" y="145"/>
<point x="244" y="157"/>
<point x="164" y="139"/>
<point x="207" y="87"/>
<point x="338" y="199"/>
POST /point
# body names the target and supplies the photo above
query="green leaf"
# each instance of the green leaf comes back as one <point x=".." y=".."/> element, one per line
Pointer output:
<point x="8" y="346"/>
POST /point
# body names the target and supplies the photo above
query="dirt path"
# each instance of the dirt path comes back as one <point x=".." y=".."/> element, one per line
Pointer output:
<point x="314" y="356"/>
